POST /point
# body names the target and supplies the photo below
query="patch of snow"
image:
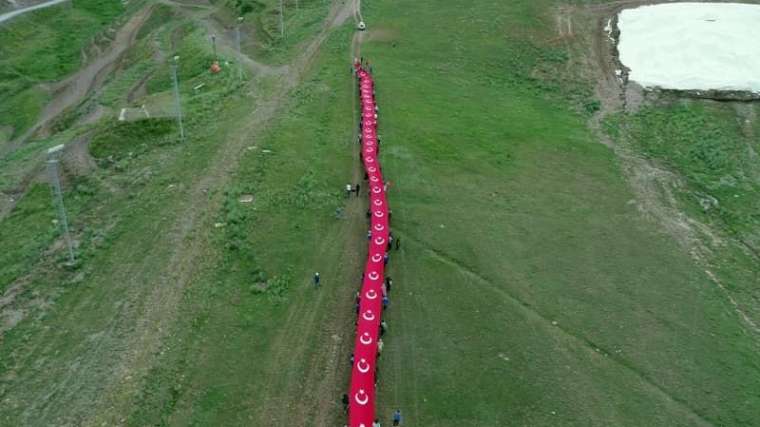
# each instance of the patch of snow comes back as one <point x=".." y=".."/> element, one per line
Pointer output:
<point x="692" y="46"/>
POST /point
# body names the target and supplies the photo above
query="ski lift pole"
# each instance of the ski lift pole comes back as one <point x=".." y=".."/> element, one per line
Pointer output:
<point x="178" y="104"/>
<point x="55" y="183"/>
<point x="240" y="53"/>
<point x="213" y="46"/>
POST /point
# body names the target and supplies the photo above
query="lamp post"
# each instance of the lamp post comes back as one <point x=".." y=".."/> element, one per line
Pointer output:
<point x="178" y="104"/>
<point x="55" y="182"/>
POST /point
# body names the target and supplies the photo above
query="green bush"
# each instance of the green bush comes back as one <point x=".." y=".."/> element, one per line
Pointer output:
<point x="118" y="139"/>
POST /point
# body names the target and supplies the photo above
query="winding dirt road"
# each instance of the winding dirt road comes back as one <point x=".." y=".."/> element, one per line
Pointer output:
<point x="70" y="92"/>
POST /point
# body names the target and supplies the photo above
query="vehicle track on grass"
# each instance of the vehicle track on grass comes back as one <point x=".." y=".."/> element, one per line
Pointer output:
<point x="222" y="169"/>
<point x="70" y="92"/>
<point x="122" y="354"/>
<point x="203" y="13"/>
<point x="412" y="360"/>
<point x="74" y="89"/>
<point x="324" y="374"/>
<point x="114" y="397"/>
<point x="581" y="341"/>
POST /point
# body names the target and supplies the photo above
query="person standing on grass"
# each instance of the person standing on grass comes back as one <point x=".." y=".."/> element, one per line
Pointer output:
<point x="369" y="234"/>
<point x="357" y="190"/>
<point x="386" y="258"/>
<point x="397" y="418"/>
<point x="388" y="283"/>
<point x="376" y="423"/>
<point x="379" y="346"/>
<point x="386" y="301"/>
<point x="316" y="280"/>
<point x="398" y="243"/>
<point x="349" y="190"/>
<point x="344" y="399"/>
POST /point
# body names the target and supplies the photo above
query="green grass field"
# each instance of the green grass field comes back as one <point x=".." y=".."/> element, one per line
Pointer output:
<point x="43" y="47"/>
<point x="530" y="288"/>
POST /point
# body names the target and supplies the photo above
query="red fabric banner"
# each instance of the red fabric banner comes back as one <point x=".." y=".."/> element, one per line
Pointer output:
<point x="362" y="390"/>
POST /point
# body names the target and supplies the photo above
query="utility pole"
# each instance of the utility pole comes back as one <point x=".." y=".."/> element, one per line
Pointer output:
<point x="55" y="183"/>
<point x="237" y="41"/>
<point x="282" y="22"/>
<point x="178" y="104"/>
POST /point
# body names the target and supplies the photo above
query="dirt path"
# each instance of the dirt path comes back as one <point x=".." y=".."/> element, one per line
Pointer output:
<point x="120" y="373"/>
<point x="74" y="89"/>
<point x="203" y="14"/>
<point x="121" y="354"/>
<point x="70" y="92"/>
<point x="188" y="253"/>
<point x="326" y="375"/>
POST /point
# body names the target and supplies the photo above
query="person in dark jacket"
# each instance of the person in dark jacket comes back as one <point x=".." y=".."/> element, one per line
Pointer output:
<point x="397" y="418"/>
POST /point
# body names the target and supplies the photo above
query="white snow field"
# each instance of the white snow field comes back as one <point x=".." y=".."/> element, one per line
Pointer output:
<point x="692" y="46"/>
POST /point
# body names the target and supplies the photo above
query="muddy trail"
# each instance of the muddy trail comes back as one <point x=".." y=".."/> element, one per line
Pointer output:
<point x="326" y="377"/>
<point x="68" y="94"/>
<point x="73" y="90"/>
<point x="203" y="13"/>
<point x="105" y="400"/>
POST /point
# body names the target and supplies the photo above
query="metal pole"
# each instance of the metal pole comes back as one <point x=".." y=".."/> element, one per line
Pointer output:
<point x="55" y="182"/>
<point x="237" y="40"/>
<point x="213" y="46"/>
<point x="282" y="21"/>
<point x="178" y="104"/>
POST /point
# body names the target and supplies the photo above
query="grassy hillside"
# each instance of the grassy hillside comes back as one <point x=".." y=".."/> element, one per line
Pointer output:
<point x="125" y="216"/>
<point x="45" y="46"/>
<point x="529" y="288"/>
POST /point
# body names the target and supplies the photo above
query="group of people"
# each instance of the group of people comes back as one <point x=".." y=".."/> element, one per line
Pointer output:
<point x="381" y="243"/>
<point x="352" y="189"/>
<point x="396" y="415"/>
